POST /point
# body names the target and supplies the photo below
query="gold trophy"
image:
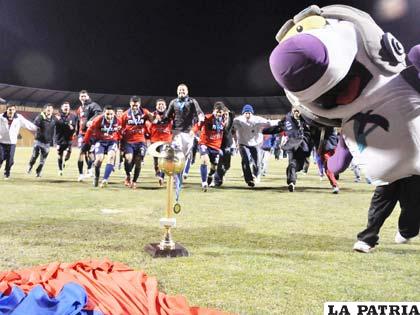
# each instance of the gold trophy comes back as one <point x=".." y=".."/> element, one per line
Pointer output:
<point x="171" y="162"/>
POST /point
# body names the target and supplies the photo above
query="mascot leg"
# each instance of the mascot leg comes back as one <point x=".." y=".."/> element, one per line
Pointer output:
<point x="382" y="204"/>
<point x="409" y="220"/>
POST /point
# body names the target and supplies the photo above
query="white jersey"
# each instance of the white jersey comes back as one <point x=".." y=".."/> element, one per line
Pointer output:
<point x="248" y="132"/>
<point x="9" y="135"/>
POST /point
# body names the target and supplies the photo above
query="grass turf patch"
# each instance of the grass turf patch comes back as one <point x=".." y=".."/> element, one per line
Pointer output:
<point x="253" y="251"/>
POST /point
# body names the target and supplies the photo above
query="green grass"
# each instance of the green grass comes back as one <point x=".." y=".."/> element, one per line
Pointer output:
<point x="260" y="251"/>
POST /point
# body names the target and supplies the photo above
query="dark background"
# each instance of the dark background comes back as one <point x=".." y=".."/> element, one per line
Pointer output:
<point x="219" y="48"/>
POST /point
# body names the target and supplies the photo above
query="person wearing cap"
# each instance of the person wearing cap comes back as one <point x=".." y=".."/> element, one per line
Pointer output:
<point x="10" y="124"/>
<point x="248" y="128"/>
<point x="184" y="112"/>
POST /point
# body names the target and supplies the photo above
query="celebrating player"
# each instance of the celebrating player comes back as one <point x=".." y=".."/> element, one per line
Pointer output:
<point x="106" y="130"/>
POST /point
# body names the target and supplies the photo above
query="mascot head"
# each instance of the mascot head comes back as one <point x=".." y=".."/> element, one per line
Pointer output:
<point x="327" y="57"/>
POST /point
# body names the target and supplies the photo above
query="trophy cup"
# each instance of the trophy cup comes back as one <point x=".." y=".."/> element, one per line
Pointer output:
<point x="171" y="162"/>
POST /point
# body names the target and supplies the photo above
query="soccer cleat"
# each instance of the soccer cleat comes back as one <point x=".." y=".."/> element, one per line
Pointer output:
<point x="80" y="178"/>
<point x="209" y="180"/>
<point x="38" y="174"/>
<point x="399" y="239"/>
<point x="357" y="180"/>
<point x="133" y="185"/>
<point x="204" y="187"/>
<point x="160" y="181"/>
<point x="321" y="178"/>
<point x="217" y="183"/>
<point x="127" y="182"/>
<point x="104" y="183"/>
<point x="336" y="190"/>
<point x="258" y="179"/>
<point x="251" y="183"/>
<point x="291" y="187"/>
<point x="64" y="165"/>
<point x="185" y="176"/>
<point x="60" y="173"/>
<point x="362" y="247"/>
<point x="28" y="170"/>
<point x="6" y="177"/>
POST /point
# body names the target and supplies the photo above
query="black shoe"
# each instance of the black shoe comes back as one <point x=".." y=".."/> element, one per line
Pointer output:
<point x="291" y="187"/>
<point x="217" y="183"/>
<point x="251" y="183"/>
<point x="96" y="182"/>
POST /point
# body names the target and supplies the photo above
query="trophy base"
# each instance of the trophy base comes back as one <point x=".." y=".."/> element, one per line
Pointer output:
<point x="156" y="252"/>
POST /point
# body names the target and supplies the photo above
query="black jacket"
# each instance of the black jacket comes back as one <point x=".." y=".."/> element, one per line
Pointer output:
<point x="227" y="140"/>
<point x="65" y="127"/>
<point x="298" y="134"/>
<point x="45" y="132"/>
<point x="91" y="110"/>
<point x="183" y="113"/>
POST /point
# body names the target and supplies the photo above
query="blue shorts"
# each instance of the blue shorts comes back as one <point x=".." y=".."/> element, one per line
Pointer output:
<point x="212" y="153"/>
<point x="136" y="149"/>
<point x="103" y="147"/>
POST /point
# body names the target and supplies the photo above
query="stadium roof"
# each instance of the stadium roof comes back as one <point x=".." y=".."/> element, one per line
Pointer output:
<point x="28" y="96"/>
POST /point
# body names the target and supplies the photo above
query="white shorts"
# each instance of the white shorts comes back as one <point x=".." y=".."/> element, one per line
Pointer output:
<point x="184" y="141"/>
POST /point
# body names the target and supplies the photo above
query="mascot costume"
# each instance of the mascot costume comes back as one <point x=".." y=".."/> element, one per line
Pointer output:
<point x="340" y="69"/>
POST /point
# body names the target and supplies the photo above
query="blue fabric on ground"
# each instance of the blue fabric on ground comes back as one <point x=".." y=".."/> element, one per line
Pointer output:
<point x="70" y="301"/>
<point x="9" y="302"/>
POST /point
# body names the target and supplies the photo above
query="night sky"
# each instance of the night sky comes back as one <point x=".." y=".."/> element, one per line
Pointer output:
<point x="219" y="48"/>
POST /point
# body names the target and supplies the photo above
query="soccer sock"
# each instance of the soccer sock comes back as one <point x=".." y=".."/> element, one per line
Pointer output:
<point x="108" y="170"/>
<point x="203" y="172"/>
<point x="212" y="171"/>
<point x="137" y="170"/>
<point x="97" y="171"/>
<point x="187" y="166"/>
<point x="80" y="167"/>
<point x="89" y="164"/>
<point x="60" y="163"/>
<point x="39" y="168"/>
<point x="155" y="165"/>
<point x="127" y="167"/>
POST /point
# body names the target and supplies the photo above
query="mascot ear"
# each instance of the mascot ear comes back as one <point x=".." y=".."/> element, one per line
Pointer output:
<point x="384" y="50"/>
<point x="393" y="50"/>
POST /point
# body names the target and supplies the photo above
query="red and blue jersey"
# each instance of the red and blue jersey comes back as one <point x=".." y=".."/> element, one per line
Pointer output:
<point x="211" y="131"/>
<point x="160" y="130"/>
<point x="103" y="130"/>
<point x="134" y="125"/>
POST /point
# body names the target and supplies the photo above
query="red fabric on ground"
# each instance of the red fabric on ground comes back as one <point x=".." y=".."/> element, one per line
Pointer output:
<point x="112" y="287"/>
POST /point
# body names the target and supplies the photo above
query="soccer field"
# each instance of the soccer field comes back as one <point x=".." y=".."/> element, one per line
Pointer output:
<point x="252" y="251"/>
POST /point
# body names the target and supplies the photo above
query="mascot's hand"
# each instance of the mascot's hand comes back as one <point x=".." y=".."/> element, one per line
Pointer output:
<point x="414" y="56"/>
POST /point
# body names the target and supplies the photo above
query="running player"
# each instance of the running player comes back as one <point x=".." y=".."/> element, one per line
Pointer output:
<point x="210" y="142"/>
<point x="87" y="111"/>
<point x="133" y="136"/>
<point x="45" y="122"/>
<point x="159" y="130"/>
<point x="65" y="128"/>
<point x="184" y="112"/>
<point x="106" y="130"/>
